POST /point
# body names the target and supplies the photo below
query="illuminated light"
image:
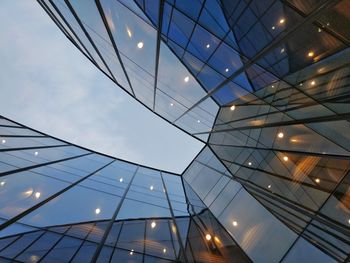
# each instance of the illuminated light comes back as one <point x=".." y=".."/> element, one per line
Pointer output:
<point x="301" y="84"/>
<point x="269" y="186"/>
<point x="36" y="153"/>
<point x="131" y="252"/>
<point x="153" y="224"/>
<point x="285" y="158"/>
<point x="29" y="192"/>
<point x="282" y="20"/>
<point x="2" y="183"/>
<point x="250" y="163"/>
<point x="233" y="107"/>
<point x="129" y="32"/>
<point x="140" y="45"/>
<point x="273" y="86"/>
<point x="198" y="121"/>
<point x="164" y="250"/>
<point x="293" y="140"/>
<point x="317" y="180"/>
<point x="34" y="258"/>
<point x="171" y="104"/>
<point x="187" y="78"/>
<point x="320" y="70"/>
<point x="226" y="70"/>
<point x="328" y="24"/>
<point x="349" y="221"/>
<point x="273" y="28"/>
<point x="313" y="83"/>
<point x="280" y="135"/>
<point x="282" y="50"/>
<point x="234" y="223"/>
<point x="121" y="180"/>
<point x="110" y="22"/>
<point x="37" y="195"/>
<point x="173" y="228"/>
<point x="310" y="54"/>
<point x="151" y="188"/>
<point x="97" y="211"/>
<point x="207" y="46"/>
<point x="257" y="122"/>
<point x="208" y="237"/>
<point x="319" y="30"/>
<point x="3" y="141"/>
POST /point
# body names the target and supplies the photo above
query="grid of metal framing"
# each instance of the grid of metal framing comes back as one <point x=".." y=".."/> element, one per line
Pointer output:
<point x="90" y="207"/>
<point x="268" y="92"/>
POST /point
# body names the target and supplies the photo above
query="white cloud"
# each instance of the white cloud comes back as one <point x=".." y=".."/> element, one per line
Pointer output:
<point x="46" y="83"/>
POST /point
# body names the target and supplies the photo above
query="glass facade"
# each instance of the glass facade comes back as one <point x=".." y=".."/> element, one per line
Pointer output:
<point x="263" y="83"/>
<point x="63" y="203"/>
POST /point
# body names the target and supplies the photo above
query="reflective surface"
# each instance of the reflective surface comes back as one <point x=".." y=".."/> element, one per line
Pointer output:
<point x="265" y="83"/>
<point x="68" y="204"/>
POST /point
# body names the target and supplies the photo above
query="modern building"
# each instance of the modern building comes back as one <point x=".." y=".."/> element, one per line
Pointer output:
<point x="263" y="83"/>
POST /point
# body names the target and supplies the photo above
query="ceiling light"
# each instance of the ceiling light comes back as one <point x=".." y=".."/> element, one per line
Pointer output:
<point x="310" y="54"/>
<point x="171" y="104"/>
<point x="273" y="28"/>
<point x="131" y="252"/>
<point x="2" y="183"/>
<point x="3" y="141"/>
<point x="293" y="140"/>
<point x="282" y="50"/>
<point x="226" y="70"/>
<point x="207" y="46"/>
<point x="121" y="180"/>
<point x="129" y="32"/>
<point x="208" y="237"/>
<point x="319" y="30"/>
<point x="198" y="121"/>
<point x="285" y="158"/>
<point x="313" y="83"/>
<point x="250" y="163"/>
<point x="36" y="153"/>
<point x="349" y="221"/>
<point x="97" y="211"/>
<point x="269" y="186"/>
<point x="29" y="192"/>
<point x="187" y="78"/>
<point x="317" y="180"/>
<point x="140" y="45"/>
<point x="37" y="195"/>
<point x="151" y="188"/>
<point x="234" y="223"/>
<point x="280" y="135"/>
<point x="233" y="107"/>
<point x="272" y="86"/>
<point x="164" y="250"/>
<point x="282" y="21"/>
<point x="153" y="224"/>
<point x="301" y="84"/>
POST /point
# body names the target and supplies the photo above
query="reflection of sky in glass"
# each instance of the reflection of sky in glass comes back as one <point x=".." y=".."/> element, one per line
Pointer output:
<point x="47" y="70"/>
<point x="135" y="39"/>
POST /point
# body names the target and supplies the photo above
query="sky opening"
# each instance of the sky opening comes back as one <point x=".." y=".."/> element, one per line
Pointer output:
<point x="47" y="84"/>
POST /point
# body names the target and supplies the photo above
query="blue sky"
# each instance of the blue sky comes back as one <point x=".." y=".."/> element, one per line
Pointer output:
<point x="47" y="84"/>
